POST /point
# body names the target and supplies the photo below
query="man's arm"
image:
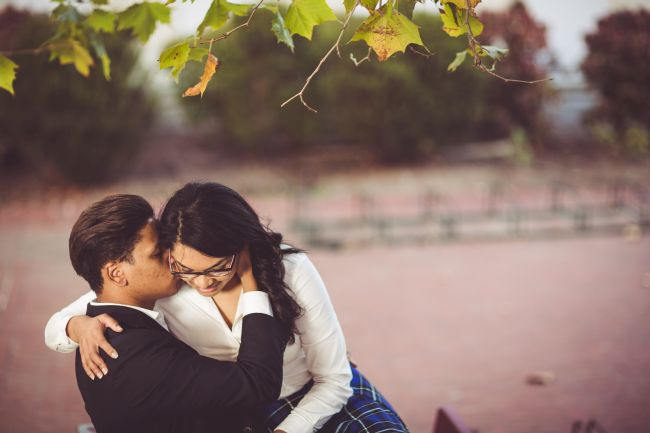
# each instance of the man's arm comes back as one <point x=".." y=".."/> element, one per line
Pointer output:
<point x="155" y="373"/>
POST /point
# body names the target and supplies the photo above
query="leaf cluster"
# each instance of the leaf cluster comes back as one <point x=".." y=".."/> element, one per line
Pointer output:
<point x="400" y="110"/>
<point x="389" y="29"/>
<point x="64" y="127"/>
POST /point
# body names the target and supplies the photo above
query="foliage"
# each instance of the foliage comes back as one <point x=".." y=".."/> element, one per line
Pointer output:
<point x="79" y="37"/>
<point x="617" y="67"/>
<point x="64" y="125"/>
<point x="400" y="110"/>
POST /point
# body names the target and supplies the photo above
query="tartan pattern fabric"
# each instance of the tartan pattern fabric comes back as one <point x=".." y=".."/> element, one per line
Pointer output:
<point x="367" y="411"/>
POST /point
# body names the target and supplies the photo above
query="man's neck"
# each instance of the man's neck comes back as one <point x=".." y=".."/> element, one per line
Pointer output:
<point x="112" y="299"/>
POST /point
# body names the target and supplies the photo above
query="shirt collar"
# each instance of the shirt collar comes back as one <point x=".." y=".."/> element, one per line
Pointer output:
<point x="158" y="316"/>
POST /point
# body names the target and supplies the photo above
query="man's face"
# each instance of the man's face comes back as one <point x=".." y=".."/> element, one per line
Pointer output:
<point x="148" y="276"/>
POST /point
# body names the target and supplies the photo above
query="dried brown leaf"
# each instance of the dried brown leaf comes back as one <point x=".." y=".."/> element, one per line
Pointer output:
<point x="209" y="69"/>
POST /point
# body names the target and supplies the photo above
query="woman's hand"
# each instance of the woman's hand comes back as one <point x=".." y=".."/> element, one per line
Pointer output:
<point x="89" y="333"/>
<point x="245" y="270"/>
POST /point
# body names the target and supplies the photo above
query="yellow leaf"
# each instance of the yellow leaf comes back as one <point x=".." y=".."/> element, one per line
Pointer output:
<point x="387" y="32"/>
<point x="462" y="3"/>
<point x="71" y="51"/>
<point x="208" y="71"/>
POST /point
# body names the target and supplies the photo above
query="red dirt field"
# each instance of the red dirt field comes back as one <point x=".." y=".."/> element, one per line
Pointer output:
<point x="460" y="325"/>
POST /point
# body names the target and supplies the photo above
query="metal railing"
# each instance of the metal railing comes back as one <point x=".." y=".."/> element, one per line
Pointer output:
<point x="503" y="211"/>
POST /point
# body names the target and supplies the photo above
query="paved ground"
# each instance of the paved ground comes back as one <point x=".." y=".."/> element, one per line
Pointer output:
<point x="459" y="325"/>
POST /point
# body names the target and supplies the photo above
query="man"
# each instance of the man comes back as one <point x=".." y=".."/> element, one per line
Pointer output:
<point x="158" y="383"/>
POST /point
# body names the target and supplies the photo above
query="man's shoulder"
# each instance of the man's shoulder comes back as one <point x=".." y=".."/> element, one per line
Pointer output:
<point x="143" y="355"/>
<point x="142" y="340"/>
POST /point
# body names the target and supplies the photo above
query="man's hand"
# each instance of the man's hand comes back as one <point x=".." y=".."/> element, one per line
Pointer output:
<point x="245" y="270"/>
<point x="89" y="333"/>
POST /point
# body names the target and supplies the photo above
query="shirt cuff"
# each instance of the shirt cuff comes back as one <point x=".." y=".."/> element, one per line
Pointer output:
<point x="295" y="423"/>
<point x="64" y="343"/>
<point x="255" y="302"/>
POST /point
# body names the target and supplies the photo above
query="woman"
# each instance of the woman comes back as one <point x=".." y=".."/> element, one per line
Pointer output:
<point x="205" y="226"/>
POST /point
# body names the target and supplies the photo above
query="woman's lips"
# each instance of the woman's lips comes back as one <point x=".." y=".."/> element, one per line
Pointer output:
<point x="208" y="289"/>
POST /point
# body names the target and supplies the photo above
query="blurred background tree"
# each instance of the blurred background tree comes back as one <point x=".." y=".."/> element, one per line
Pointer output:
<point x="65" y="127"/>
<point x="617" y="67"/>
<point x="516" y="106"/>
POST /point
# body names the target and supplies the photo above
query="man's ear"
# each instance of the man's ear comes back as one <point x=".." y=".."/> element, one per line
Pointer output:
<point x="114" y="272"/>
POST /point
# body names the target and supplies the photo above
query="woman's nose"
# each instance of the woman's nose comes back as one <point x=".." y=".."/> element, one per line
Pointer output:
<point x="202" y="281"/>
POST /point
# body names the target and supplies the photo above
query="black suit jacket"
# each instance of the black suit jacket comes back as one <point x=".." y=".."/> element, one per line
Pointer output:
<point x="160" y="384"/>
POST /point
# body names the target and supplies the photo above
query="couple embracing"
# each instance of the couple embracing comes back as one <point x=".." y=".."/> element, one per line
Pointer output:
<point x="204" y="321"/>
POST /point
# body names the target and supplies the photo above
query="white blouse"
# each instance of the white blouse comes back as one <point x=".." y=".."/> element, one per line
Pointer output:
<point x="319" y="352"/>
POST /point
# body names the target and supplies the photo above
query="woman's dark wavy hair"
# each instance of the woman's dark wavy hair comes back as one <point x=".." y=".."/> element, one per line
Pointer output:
<point x="218" y="222"/>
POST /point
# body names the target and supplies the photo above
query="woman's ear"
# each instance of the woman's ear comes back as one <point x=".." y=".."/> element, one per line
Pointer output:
<point x="115" y="273"/>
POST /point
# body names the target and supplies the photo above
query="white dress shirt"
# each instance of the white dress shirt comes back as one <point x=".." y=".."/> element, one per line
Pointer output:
<point x="319" y="352"/>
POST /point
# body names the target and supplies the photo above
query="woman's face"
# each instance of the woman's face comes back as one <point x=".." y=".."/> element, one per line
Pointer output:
<point x="208" y="275"/>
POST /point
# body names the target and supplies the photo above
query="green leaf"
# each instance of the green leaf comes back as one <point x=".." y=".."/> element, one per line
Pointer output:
<point x="7" y="74"/>
<point x="142" y="18"/>
<point x="303" y="15"/>
<point x="495" y="53"/>
<point x="458" y="60"/>
<point x="101" y="21"/>
<point x="71" y="51"/>
<point x="197" y="54"/>
<point x="273" y="8"/>
<point x="97" y="43"/>
<point x="239" y="10"/>
<point x="369" y="4"/>
<point x="281" y="31"/>
<point x="100" y="2"/>
<point x="175" y="57"/>
<point x="66" y="13"/>
<point x="386" y="33"/>
<point x="405" y="7"/>
<point x="462" y="4"/>
<point x="453" y="21"/>
<point x="349" y="4"/>
<point x="218" y="14"/>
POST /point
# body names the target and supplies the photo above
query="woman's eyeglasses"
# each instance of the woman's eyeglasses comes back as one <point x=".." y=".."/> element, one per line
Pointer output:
<point x="174" y="268"/>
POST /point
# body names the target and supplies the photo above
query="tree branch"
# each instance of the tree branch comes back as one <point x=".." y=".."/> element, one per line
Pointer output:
<point x="512" y="80"/>
<point x="420" y="53"/>
<point x="358" y="62"/>
<point x="334" y="47"/>
<point x="473" y="44"/>
<point x="231" y="31"/>
<point x="25" y="51"/>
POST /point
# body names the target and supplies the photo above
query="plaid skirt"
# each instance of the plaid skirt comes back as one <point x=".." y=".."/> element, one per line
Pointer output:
<point x="367" y="411"/>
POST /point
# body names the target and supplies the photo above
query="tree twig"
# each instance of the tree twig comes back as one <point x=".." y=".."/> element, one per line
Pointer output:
<point x="231" y="31"/>
<point x="358" y="62"/>
<point x="512" y="80"/>
<point x="473" y="44"/>
<point x="334" y="47"/>
<point x="32" y="51"/>
<point x="427" y="54"/>
<point x="24" y="51"/>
